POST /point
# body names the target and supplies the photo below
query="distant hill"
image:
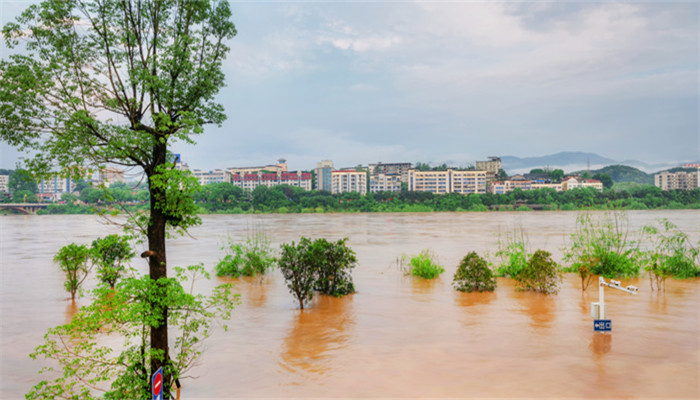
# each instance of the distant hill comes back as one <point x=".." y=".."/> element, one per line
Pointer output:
<point x="575" y="161"/>
<point x="557" y="160"/>
<point x="624" y="173"/>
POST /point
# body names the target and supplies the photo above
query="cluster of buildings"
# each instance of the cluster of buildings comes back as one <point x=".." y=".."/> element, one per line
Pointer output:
<point x="385" y="177"/>
<point x="379" y="177"/>
<point x="51" y="188"/>
<point x="251" y="177"/>
<point x="522" y="183"/>
<point x="681" y="180"/>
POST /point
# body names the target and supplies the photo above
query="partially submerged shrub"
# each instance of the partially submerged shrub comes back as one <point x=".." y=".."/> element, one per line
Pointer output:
<point x="317" y="265"/>
<point x="250" y="258"/>
<point x="541" y="274"/>
<point x="474" y="274"/>
<point x="603" y="247"/>
<point x="512" y="249"/>
<point x="671" y="254"/>
<point x="425" y="266"/>
<point x="335" y="260"/>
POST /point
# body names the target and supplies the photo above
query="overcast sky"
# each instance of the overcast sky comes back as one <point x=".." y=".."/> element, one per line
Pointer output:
<point x="361" y="82"/>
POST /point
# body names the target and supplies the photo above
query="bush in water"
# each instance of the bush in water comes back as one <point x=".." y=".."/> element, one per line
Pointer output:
<point x="474" y="274"/>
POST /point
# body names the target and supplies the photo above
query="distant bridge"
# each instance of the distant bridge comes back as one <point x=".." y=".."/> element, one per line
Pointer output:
<point x="25" y="208"/>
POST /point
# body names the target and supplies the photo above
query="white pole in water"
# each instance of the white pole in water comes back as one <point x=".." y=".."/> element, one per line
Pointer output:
<point x="601" y="297"/>
<point x="598" y="309"/>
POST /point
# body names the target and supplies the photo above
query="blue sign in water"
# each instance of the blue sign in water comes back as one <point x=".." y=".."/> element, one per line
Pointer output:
<point x="602" y="325"/>
<point x="157" y="384"/>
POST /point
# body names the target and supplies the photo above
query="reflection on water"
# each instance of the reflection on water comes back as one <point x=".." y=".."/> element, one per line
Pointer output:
<point x="398" y="336"/>
<point x="71" y="309"/>
<point x="475" y="301"/>
<point x="538" y="307"/>
<point x="253" y="289"/>
<point x="601" y="344"/>
<point x="316" y="334"/>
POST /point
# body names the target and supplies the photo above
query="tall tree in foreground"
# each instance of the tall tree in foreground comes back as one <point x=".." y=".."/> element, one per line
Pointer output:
<point x="103" y="82"/>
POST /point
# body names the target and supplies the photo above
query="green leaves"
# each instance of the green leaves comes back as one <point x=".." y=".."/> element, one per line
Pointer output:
<point x="321" y="265"/>
<point x="602" y="247"/>
<point x="424" y="265"/>
<point x="474" y="274"/>
<point x="250" y="258"/>
<point x="110" y="254"/>
<point x="129" y="312"/>
<point x="541" y="274"/>
<point x="73" y="260"/>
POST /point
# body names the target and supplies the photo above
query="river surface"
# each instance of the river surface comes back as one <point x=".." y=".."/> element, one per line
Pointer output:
<point x="398" y="336"/>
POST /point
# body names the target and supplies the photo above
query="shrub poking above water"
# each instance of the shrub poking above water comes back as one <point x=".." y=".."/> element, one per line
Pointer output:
<point x="335" y="260"/>
<point x="513" y="253"/>
<point x="425" y="266"/>
<point x="602" y="247"/>
<point x="317" y="265"/>
<point x="249" y="259"/>
<point x="671" y="254"/>
<point x="474" y="274"/>
<point x="541" y="274"/>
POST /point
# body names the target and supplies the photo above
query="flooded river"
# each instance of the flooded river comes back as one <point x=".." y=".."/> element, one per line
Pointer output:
<point x="398" y="336"/>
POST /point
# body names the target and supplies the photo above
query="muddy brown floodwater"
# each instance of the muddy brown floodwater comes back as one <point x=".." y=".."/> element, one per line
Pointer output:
<point x="398" y="336"/>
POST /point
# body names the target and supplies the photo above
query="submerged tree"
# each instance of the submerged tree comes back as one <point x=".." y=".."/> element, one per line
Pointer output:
<point x="73" y="260"/>
<point x="110" y="254"/>
<point x="105" y="82"/>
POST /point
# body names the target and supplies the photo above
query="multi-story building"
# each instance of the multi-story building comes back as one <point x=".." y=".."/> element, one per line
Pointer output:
<point x="540" y="185"/>
<point x="253" y="180"/>
<point x="4" y="183"/>
<point x="400" y="169"/>
<point x="344" y="181"/>
<point x="213" y="176"/>
<point x="324" y="175"/>
<point x="573" y="182"/>
<point x="450" y="181"/>
<point x="281" y="166"/>
<point x="384" y="183"/>
<point x="492" y="166"/>
<point x="680" y="180"/>
<point x="110" y="175"/>
<point x="51" y="188"/>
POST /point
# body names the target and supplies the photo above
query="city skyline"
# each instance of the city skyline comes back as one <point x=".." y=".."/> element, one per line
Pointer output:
<point x="359" y="83"/>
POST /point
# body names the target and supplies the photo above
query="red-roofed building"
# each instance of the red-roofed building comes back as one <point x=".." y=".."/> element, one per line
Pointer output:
<point x="253" y="180"/>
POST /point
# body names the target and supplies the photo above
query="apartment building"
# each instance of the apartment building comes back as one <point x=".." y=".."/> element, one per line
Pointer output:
<point x="324" y="175"/>
<point x="450" y="181"/>
<point x="573" y="182"/>
<point x="344" y="181"/>
<point x="110" y="175"/>
<point x="213" y="176"/>
<point x="680" y="180"/>
<point x="400" y="169"/>
<point x="4" y="183"/>
<point x="385" y="183"/>
<point x="281" y="166"/>
<point x="492" y="166"/>
<point x="51" y="188"/>
<point x="253" y="180"/>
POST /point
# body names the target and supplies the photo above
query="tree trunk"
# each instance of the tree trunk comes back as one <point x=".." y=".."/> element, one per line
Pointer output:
<point x="157" y="260"/>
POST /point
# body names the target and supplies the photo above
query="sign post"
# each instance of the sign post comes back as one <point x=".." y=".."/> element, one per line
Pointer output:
<point x="157" y="384"/>
<point x="600" y="324"/>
